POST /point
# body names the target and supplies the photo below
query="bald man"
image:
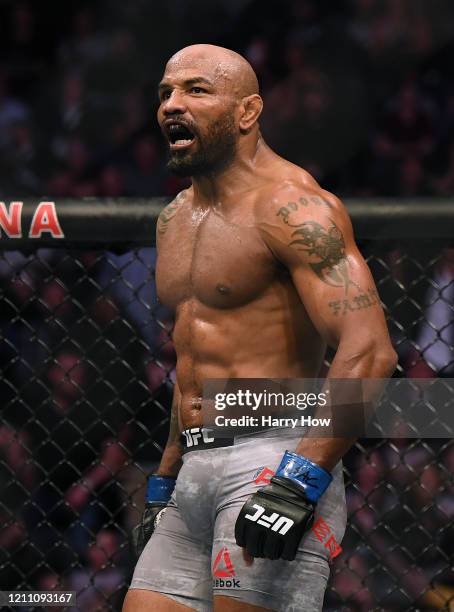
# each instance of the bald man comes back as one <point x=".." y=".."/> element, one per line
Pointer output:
<point x="259" y="264"/>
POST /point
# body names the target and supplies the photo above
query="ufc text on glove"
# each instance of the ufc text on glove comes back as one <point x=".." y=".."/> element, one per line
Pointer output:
<point x="273" y="521"/>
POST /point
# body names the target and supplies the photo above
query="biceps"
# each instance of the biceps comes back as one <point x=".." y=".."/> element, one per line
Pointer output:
<point x="341" y="301"/>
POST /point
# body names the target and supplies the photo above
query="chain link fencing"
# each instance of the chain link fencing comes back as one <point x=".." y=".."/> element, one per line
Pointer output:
<point x="87" y="375"/>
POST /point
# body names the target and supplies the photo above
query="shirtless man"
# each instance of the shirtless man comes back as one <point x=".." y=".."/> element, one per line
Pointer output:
<point x="260" y="266"/>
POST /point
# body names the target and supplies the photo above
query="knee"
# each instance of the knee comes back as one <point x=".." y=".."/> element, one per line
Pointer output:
<point x="137" y="599"/>
<point x="150" y="601"/>
<point x="128" y="604"/>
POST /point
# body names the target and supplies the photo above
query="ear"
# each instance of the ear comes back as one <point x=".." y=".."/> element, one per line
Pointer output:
<point x="250" y="110"/>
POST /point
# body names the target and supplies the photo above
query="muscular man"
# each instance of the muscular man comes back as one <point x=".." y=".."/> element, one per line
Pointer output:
<point x="260" y="266"/>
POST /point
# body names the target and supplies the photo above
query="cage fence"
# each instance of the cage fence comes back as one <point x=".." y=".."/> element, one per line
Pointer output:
<point x="88" y="367"/>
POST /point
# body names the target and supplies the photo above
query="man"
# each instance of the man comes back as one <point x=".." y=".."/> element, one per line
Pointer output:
<point x="260" y="266"/>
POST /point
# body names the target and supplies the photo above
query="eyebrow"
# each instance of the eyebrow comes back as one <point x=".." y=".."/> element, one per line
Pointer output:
<point x="188" y="82"/>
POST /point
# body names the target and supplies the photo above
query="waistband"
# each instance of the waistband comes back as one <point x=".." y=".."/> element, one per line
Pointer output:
<point x="201" y="438"/>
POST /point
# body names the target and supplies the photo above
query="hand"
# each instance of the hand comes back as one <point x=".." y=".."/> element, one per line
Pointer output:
<point x="247" y="558"/>
<point x="272" y="522"/>
<point x="159" y="491"/>
<point x="150" y="519"/>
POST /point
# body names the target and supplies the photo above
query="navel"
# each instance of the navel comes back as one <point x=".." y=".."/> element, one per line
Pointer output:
<point x="223" y="289"/>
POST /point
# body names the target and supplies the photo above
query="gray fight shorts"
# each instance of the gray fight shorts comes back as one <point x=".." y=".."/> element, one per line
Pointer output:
<point x="192" y="555"/>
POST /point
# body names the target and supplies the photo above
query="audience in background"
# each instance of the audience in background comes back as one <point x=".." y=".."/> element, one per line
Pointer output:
<point x="359" y="92"/>
<point x="367" y="79"/>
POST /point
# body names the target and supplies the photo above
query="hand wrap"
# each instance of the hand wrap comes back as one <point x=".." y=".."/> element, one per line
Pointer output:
<point x="159" y="491"/>
<point x="273" y="521"/>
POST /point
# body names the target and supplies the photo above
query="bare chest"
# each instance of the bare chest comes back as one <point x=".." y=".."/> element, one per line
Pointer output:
<point x="221" y="264"/>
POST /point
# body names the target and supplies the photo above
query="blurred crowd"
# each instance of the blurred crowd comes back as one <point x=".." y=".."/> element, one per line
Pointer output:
<point x="359" y="92"/>
<point x="87" y="379"/>
<point x="88" y="372"/>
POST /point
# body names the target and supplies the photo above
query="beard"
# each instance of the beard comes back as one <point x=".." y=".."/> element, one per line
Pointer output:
<point x="214" y="152"/>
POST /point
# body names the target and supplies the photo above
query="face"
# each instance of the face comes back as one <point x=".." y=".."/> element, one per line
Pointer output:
<point x="197" y="117"/>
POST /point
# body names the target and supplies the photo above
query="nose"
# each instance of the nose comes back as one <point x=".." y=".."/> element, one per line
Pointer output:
<point x="174" y="104"/>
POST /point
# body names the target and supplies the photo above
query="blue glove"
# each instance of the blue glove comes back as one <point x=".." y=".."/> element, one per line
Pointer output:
<point x="311" y="477"/>
<point x="159" y="491"/>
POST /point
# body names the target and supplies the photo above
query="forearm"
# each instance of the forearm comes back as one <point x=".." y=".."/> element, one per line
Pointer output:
<point x="171" y="458"/>
<point x="371" y="363"/>
<point x="161" y="483"/>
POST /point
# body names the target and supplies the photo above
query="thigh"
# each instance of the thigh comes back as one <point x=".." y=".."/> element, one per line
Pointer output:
<point x="290" y="586"/>
<point x="228" y="604"/>
<point x="176" y="563"/>
<point x="150" y="601"/>
<point x="277" y="585"/>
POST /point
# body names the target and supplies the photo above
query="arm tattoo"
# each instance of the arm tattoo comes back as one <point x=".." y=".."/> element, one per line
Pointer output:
<point x="166" y="215"/>
<point x="359" y="302"/>
<point x="285" y="211"/>
<point x="320" y="201"/>
<point x="326" y="247"/>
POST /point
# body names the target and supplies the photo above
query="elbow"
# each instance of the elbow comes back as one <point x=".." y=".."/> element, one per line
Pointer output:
<point x="386" y="360"/>
<point x="373" y="360"/>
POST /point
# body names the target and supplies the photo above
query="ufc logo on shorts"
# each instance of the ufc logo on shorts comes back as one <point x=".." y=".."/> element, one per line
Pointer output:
<point x="278" y="523"/>
<point x="193" y="436"/>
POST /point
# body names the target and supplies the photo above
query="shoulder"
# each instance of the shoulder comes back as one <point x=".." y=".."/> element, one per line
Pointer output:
<point x="170" y="210"/>
<point x="303" y="224"/>
<point x="292" y="202"/>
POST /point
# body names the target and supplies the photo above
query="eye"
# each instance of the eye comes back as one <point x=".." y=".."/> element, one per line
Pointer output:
<point x="197" y="90"/>
<point x="164" y="95"/>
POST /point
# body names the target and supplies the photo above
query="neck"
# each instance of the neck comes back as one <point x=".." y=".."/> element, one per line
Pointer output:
<point x="239" y="175"/>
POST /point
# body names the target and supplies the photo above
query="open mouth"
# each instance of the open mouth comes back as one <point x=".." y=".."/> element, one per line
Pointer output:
<point x="180" y="136"/>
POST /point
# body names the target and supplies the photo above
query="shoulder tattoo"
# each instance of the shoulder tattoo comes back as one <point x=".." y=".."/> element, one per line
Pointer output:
<point x="323" y="244"/>
<point x="166" y="215"/>
<point x="326" y="250"/>
<point x="285" y="211"/>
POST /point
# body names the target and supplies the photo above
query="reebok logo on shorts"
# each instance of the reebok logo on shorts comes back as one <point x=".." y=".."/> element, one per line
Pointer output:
<point x="224" y="571"/>
<point x="263" y="475"/>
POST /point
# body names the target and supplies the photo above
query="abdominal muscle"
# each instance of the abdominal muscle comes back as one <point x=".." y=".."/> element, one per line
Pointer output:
<point x="258" y="340"/>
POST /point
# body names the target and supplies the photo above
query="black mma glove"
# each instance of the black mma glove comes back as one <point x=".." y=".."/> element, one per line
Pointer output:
<point x="273" y="521"/>
<point x="159" y="491"/>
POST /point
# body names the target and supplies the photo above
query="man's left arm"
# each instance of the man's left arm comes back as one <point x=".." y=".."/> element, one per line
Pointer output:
<point x="310" y="233"/>
<point x="316" y="243"/>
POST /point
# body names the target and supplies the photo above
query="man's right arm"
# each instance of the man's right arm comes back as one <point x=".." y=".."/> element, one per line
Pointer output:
<point x="162" y="483"/>
<point x="171" y="458"/>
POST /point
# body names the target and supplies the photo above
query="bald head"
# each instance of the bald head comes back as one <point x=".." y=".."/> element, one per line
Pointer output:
<point x="209" y="109"/>
<point x="222" y="65"/>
